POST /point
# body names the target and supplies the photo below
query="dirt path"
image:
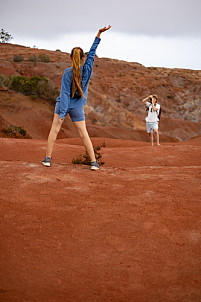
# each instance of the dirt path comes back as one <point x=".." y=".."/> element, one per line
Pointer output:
<point x="130" y="232"/>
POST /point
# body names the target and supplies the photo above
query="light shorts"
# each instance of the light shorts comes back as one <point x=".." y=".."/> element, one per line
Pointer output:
<point x="151" y="126"/>
<point x="76" y="114"/>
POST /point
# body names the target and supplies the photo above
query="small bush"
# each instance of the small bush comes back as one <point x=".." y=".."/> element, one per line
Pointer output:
<point x="3" y="80"/>
<point x="86" y="53"/>
<point x="33" y="59"/>
<point x="24" y="85"/>
<point x="152" y="68"/>
<point x="44" y="58"/>
<point x="34" y="86"/>
<point x="58" y="50"/>
<point x="170" y="96"/>
<point x="47" y="90"/>
<point x="34" y="97"/>
<point x="13" y="131"/>
<point x="18" y="58"/>
<point x="84" y="159"/>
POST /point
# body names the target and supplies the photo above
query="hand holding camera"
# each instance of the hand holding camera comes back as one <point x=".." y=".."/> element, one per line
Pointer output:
<point x="152" y="99"/>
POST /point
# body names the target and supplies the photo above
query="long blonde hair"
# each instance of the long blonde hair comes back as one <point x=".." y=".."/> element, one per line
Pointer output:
<point x="76" y="55"/>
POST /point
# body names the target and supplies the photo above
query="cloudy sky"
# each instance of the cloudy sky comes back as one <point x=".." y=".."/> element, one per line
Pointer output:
<point x="165" y="33"/>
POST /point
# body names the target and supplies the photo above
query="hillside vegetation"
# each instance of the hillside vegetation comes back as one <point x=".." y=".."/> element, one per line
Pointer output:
<point x="116" y="89"/>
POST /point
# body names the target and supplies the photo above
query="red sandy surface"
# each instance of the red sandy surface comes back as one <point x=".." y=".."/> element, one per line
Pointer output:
<point x="130" y="232"/>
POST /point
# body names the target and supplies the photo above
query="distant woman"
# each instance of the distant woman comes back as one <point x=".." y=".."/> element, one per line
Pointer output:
<point x="73" y="97"/>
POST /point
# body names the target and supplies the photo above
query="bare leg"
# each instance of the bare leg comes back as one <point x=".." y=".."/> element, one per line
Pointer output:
<point x="82" y="130"/>
<point x="152" y="138"/>
<point x="157" y="136"/>
<point x="56" y="126"/>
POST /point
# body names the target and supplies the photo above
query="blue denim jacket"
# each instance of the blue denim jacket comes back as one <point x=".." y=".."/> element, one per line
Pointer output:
<point x="65" y="100"/>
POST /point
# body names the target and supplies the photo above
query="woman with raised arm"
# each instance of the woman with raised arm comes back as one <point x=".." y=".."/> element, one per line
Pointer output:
<point x="73" y="97"/>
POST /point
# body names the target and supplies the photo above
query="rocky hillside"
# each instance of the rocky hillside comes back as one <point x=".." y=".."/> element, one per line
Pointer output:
<point x="116" y="89"/>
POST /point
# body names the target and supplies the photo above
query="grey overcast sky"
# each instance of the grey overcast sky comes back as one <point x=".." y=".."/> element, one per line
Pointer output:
<point x="163" y="33"/>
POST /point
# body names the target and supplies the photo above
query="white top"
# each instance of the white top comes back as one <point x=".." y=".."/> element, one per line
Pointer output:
<point x="152" y="115"/>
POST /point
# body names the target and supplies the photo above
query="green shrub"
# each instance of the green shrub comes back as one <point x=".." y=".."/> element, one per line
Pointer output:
<point x="58" y="50"/>
<point x="34" y="96"/>
<point x="152" y="68"/>
<point x="170" y="96"/>
<point x="34" y="86"/>
<point x="24" y="85"/>
<point x="86" y="53"/>
<point x="18" y="58"/>
<point x="33" y="58"/>
<point x="3" y="80"/>
<point x="22" y="131"/>
<point x="47" y="90"/>
<point x="12" y="130"/>
<point x="44" y="58"/>
<point x="84" y="159"/>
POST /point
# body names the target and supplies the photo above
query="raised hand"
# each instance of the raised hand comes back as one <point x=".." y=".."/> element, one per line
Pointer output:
<point x="104" y="28"/>
<point x="101" y="30"/>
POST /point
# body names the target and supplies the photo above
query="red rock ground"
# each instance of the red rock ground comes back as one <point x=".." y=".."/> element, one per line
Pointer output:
<point x="129" y="232"/>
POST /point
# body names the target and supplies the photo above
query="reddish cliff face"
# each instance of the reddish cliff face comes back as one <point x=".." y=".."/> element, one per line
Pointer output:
<point x="114" y="106"/>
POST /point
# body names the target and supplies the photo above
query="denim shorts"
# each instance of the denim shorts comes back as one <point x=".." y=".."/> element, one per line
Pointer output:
<point x="151" y="126"/>
<point x="76" y="114"/>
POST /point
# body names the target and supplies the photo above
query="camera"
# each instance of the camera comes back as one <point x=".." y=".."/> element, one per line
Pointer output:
<point x="150" y="99"/>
